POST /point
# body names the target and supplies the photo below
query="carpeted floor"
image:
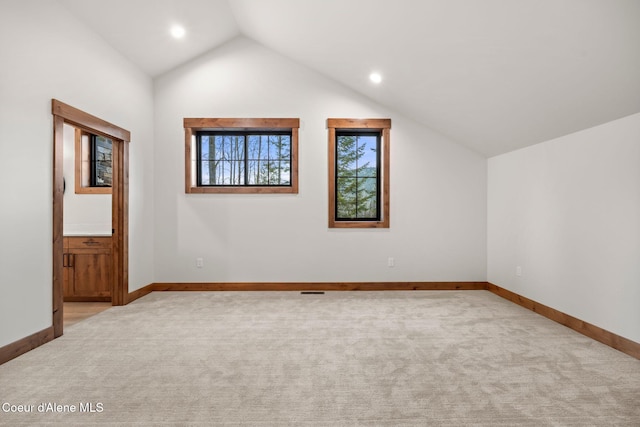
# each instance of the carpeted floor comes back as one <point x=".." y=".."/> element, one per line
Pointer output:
<point x="419" y="358"/>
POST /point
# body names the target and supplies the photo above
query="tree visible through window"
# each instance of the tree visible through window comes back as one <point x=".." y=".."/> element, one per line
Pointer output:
<point x="357" y="176"/>
<point x="240" y="158"/>
<point x="241" y="155"/>
<point x="359" y="173"/>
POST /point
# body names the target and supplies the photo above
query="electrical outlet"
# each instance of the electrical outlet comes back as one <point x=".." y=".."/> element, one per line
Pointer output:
<point x="391" y="262"/>
<point x="518" y="271"/>
<point x="199" y="262"/>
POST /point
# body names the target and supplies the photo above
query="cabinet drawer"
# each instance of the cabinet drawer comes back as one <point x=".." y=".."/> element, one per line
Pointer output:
<point x="89" y="242"/>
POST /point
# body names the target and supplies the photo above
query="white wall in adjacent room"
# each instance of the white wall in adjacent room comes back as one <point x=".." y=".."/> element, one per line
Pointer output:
<point x="37" y="38"/>
<point x="567" y="212"/>
<point x="438" y="189"/>
<point x="84" y="214"/>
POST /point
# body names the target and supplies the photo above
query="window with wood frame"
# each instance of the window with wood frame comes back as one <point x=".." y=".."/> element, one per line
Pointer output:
<point x="359" y="173"/>
<point x="93" y="163"/>
<point x="228" y="155"/>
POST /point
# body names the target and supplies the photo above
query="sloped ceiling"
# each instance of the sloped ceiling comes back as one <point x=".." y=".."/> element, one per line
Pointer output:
<point x="493" y="75"/>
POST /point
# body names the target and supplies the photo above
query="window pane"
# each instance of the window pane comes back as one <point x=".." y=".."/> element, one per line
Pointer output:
<point x="346" y="195"/>
<point x="224" y="158"/>
<point x="279" y="147"/>
<point x="223" y="176"/>
<point x="219" y="147"/>
<point x="285" y="173"/>
<point x="278" y="172"/>
<point x="207" y="171"/>
<point x="226" y="148"/>
<point x="230" y="173"/>
<point x="356" y="166"/>
<point x="237" y="172"/>
<point x="263" y="147"/>
<point x="346" y="156"/>
<point x="102" y="174"/>
<point x="205" y="147"/>
<point x="262" y="173"/>
<point x="274" y="173"/>
<point x="253" y="171"/>
<point x="237" y="148"/>
<point x="366" y="204"/>
<point x="230" y="147"/>
<point x="368" y="155"/>
<point x="274" y="146"/>
<point x="254" y="146"/>
<point x="285" y="152"/>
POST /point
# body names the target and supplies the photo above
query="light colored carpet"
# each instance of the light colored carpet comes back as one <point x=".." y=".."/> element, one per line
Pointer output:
<point x="418" y="358"/>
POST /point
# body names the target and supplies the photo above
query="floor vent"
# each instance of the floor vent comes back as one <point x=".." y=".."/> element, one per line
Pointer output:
<point x="312" y="292"/>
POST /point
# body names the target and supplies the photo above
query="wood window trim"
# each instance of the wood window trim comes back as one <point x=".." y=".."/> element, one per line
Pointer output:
<point x="78" y="158"/>
<point x="194" y="125"/>
<point x="382" y="125"/>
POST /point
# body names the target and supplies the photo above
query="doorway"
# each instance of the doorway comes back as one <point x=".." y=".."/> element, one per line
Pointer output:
<point x="75" y="312"/>
<point x="117" y="248"/>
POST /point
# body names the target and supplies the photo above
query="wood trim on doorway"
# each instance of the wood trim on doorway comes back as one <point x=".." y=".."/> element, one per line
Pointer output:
<point x="63" y="113"/>
<point x="77" y="117"/>
<point x="120" y="220"/>
<point x="58" y="250"/>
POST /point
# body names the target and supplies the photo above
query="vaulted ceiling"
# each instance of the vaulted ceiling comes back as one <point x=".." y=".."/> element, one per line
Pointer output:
<point x="493" y="75"/>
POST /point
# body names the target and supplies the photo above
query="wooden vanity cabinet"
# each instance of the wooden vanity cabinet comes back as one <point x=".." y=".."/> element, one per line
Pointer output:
<point x="87" y="268"/>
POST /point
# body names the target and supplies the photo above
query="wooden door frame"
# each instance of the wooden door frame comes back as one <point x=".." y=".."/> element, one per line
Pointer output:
<point x="63" y="113"/>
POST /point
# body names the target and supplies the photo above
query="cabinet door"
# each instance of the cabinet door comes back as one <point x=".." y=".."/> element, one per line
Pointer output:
<point x="91" y="272"/>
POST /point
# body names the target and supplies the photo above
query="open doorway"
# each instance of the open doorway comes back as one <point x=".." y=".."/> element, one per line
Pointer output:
<point x="90" y="257"/>
<point x="87" y="224"/>
<point x="75" y="312"/>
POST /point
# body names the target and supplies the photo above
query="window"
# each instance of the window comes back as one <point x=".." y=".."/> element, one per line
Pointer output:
<point x="93" y="159"/>
<point x="359" y="173"/>
<point x="241" y="155"/>
<point x="243" y="158"/>
<point x="101" y="173"/>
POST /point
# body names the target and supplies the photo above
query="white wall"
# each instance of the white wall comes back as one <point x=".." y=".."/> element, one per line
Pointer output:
<point x="35" y="69"/>
<point x="84" y="214"/>
<point x="438" y="189"/>
<point x="568" y="212"/>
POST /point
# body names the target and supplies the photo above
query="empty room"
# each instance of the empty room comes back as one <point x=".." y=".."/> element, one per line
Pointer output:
<point x="320" y="213"/>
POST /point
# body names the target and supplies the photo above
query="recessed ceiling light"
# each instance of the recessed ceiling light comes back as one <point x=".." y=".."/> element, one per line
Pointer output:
<point x="178" y="31"/>
<point x="375" y="77"/>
